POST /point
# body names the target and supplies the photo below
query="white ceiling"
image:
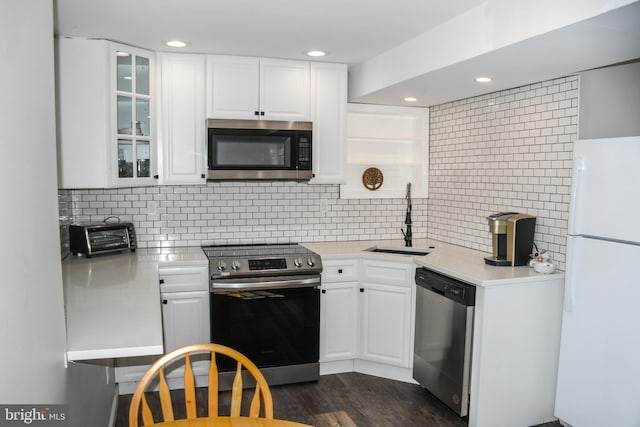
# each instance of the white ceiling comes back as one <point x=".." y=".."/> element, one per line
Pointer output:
<point x="352" y="31"/>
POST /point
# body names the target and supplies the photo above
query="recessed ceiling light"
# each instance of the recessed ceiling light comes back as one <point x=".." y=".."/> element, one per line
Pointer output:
<point x="316" y="53"/>
<point x="411" y="99"/>
<point x="483" y="79"/>
<point x="176" y="43"/>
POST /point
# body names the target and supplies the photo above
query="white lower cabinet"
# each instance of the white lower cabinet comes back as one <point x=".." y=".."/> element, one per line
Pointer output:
<point x="516" y="343"/>
<point x="386" y="312"/>
<point x="385" y="320"/>
<point x="184" y="294"/>
<point x="185" y="305"/>
<point x="339" y="310"/>
<point x="339" y="325"/>
<point x="367" y="317"/>
<point x="185" y="318"/>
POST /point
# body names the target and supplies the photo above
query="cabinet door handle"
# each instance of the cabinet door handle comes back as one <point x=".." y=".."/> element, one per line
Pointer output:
<point x="164" y="301"/>
<point x="324" y="291"/>
<point x="339" y="271"/>
<point x="361" y="289"/>
<point x="156" y="176"/>
<point x="256" y="113"/>
<point x="262" y="113"/>
<point x="203" y="176"/>
<point x="161" y="281"/>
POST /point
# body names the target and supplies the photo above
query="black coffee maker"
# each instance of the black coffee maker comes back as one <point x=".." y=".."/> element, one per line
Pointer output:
<point x="512" y="238"/>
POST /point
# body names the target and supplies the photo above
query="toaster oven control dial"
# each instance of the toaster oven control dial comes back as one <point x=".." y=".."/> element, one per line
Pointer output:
<point x="297" y="262"/>
<point x="311" y="262"/>
<point x="235" y="265"/>
<point x="222" y="265"/>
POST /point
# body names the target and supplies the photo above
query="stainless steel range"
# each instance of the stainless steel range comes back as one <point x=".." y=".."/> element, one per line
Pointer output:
<point x="265" y="302"/>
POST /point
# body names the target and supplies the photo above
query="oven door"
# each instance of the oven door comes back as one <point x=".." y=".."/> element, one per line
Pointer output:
<point x="274" y="321"/>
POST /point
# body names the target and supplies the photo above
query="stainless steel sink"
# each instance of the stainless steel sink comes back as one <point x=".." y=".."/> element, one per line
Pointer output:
<point x="401" y="250"/>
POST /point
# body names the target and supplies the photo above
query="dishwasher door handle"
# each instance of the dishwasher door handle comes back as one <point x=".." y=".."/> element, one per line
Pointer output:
<point x="438" y="291"/>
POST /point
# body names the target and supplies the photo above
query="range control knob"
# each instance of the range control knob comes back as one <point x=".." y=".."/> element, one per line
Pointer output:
<point x="222" y="265"/>
<point x="311" y="262"/>
<point x="297" y="262"/>
<point x="235" y="265"/>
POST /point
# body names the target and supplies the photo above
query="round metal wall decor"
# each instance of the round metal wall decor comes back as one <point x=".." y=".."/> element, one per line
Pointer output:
<point x="372" y="179"/>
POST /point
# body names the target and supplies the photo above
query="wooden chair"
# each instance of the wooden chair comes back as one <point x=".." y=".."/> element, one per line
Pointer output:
<point x="157" y="372"/>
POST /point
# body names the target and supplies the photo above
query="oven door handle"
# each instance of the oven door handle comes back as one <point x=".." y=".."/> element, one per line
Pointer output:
<point x="250" y="284"/>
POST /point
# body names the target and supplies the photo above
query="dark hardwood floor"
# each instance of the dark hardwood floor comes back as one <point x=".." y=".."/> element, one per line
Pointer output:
<point x="349" y="400"/>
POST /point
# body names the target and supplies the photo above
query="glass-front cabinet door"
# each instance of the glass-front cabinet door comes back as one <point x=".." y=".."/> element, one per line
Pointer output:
<point x="133" y="119"/>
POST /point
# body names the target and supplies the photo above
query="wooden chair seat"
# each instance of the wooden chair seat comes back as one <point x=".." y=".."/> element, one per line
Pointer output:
<point x="140" y="413"/>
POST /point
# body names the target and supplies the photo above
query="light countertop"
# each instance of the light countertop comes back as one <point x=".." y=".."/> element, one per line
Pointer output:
<point x="461" y="263"/>
<point x="112" y="302"/>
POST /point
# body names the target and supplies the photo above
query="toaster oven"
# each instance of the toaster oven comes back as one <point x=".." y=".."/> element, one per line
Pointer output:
<point x="92" y="239"/>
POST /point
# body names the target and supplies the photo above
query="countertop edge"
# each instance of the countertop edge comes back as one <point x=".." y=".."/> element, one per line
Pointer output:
<point x="455" y="261"/>
<point x="111" y="353"/>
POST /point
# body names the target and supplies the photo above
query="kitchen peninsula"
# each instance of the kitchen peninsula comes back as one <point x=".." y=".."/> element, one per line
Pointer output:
<point x="112" y="302"/>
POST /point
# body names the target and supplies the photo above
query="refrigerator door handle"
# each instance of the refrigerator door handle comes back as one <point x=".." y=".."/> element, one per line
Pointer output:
<point x="568" y="292"/>
<point x="570" y="276"/>
<point x="579" y="168"/>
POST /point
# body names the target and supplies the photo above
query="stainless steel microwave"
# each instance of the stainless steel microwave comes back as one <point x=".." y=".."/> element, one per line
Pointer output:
<point x="259" y="149"/>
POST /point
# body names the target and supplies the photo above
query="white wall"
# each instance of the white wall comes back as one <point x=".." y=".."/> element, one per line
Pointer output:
<point x="32" y="331"/>
<point x="610" y="102"/>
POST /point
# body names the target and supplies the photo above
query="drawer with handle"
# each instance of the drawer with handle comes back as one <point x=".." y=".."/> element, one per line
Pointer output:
<point x="339" y="270"/>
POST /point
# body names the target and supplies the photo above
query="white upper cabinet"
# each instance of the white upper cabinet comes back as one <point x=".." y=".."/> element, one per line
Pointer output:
<point x="182" y="126"/>
<point x="329" y="116"/>
<point x="106" y="126"/>
<point x="284" y="89"/>
<point x="255" y="88"/>
<point x="233" y="86"/>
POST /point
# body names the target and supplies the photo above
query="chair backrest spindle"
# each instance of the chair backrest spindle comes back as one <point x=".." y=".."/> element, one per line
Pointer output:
<point x="189" y="389"/>
<point x="261" y="393"/>
<point x="165" y="397"/>
<point x="213" y="385"/>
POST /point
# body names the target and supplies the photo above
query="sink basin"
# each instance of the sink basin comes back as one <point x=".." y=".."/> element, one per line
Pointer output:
<point x="401" y="250"/>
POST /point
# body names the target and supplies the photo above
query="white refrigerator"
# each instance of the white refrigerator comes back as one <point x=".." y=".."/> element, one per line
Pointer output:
<point x="599" y="366"/>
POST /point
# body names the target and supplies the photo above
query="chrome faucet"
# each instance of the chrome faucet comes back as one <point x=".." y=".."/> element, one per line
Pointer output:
<point x="407" y="220"/>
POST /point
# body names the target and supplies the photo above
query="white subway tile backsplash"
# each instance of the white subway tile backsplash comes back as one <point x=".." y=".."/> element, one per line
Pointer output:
<point x="247" y="212"/>
<point x="515" y="156"/>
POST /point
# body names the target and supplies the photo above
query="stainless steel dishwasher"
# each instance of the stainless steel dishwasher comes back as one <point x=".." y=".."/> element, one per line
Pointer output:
<point x="444" y="331"/>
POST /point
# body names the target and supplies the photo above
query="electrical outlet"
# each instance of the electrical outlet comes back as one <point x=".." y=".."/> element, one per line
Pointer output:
<point x="152" y="207"/>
